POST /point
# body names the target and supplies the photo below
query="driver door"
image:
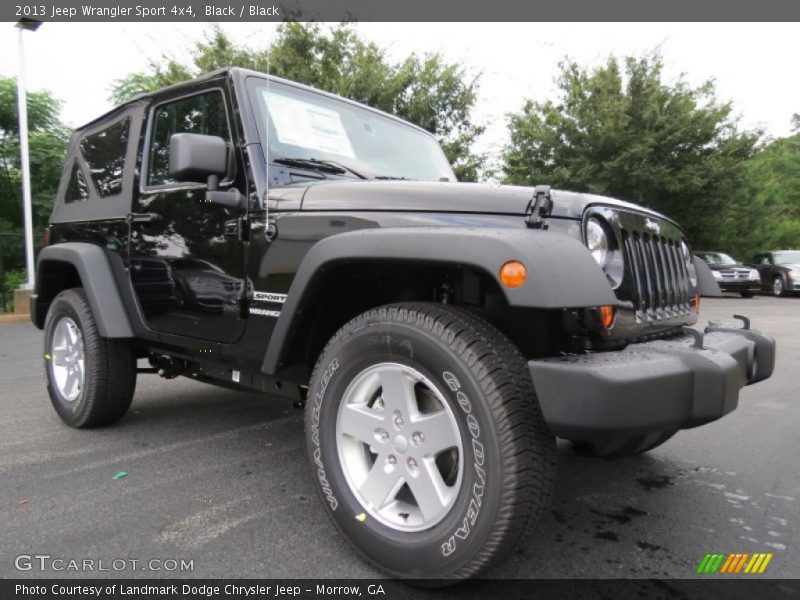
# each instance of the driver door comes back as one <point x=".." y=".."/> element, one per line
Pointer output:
<point x="187" y="263"/>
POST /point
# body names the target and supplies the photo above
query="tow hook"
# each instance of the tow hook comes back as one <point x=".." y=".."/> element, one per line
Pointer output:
<point x="745" y="321"/>
<point x="698" y="337"/>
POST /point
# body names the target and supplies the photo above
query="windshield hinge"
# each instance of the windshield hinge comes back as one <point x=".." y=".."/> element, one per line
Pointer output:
<point x="541" y="207"/>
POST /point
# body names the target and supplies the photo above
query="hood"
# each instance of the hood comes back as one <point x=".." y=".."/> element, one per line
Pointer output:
<point x="419" y="196"/>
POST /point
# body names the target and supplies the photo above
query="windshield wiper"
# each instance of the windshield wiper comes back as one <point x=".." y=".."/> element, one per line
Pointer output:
<point x="326" y="166"/>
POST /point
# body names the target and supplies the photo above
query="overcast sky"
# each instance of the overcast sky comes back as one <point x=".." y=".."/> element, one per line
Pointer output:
<point x="754" y="64"/>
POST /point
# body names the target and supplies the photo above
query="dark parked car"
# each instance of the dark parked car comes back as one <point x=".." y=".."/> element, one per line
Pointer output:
<point x="779" y="270"/>
<point x="440" y="335"/>
<point x="730" y="274"/>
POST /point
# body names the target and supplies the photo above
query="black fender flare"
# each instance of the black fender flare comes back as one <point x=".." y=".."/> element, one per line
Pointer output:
<point x="561" y="271"/>
<point x="94" y="268"/>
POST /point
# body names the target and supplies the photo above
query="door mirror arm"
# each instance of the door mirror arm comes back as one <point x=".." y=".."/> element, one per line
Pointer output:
<point x="231" y="198"/>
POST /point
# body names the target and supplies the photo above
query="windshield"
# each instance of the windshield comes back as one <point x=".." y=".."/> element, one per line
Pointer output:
<point x="717" y="258"/>
<point x="787" y="258"/>
<point x="300" y="125"/>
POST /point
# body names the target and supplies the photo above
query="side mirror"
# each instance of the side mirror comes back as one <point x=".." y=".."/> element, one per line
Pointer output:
<point x="194" y="157"/>
<point x="203" y="159"/>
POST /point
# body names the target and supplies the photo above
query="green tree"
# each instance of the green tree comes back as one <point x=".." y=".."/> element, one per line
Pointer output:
<point x="767" y="217"/>
<point x="425" y="90"/>
<point x="47" y="141"/>
<point x="621" y="130"/>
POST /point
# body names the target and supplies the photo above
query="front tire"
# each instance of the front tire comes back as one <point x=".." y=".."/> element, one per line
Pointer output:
<point x="428" y="445"/>
<point x="90" y="379"/>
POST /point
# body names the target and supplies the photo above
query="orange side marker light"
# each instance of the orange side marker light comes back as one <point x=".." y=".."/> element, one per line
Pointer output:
<point x="513" y="274"/>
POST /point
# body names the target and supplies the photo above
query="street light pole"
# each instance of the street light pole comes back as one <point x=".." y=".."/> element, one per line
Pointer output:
<point x="22" y="101"/>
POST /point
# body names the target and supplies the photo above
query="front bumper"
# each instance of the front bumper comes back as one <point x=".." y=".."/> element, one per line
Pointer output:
<point x="654" y="386"/>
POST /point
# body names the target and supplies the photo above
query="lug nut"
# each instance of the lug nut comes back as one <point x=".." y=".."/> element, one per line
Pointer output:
<point x="417" y="437"/>
<point x="382" y="435"/>
<point x="398" y="420"/>
<point x="392" y="459"/>
<point x="412" y="464"/>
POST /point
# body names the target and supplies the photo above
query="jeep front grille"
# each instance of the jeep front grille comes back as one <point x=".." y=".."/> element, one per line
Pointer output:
<point x="659" y="281"/>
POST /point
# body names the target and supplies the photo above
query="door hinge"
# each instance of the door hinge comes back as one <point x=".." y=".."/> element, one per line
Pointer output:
<point x="244" y="229"/>
<point x="238" y="228"/>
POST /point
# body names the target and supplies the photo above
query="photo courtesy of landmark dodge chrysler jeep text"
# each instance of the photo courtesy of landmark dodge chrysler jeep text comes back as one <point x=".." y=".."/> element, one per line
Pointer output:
<point x="258" y="234"/>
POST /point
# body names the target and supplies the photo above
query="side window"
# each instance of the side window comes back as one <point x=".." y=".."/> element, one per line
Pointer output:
<point x="104" y="152"/>
<point x="77" y="189"/>
<point x="202" y="113"/>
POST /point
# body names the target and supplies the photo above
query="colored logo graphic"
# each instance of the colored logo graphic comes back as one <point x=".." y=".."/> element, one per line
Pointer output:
<point x="734" y="563"/>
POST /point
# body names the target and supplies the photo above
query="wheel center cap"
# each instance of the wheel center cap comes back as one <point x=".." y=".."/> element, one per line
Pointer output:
<point x="400" y="444"/>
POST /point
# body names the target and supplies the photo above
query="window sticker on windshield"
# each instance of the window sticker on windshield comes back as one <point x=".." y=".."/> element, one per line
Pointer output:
<point x="307" y="125"/>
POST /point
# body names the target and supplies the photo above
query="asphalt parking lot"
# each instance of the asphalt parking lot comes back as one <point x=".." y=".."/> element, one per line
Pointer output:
<point x="220" y="478"/>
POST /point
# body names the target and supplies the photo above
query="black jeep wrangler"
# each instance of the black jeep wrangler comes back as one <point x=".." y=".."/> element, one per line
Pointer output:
<point x="251" y="232"/>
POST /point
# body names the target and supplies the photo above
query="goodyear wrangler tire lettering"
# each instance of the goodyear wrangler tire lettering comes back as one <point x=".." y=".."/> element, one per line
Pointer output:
<point x="317" y="454"/>
<point x="473" y="509"/>
<point x="496" y="466"/>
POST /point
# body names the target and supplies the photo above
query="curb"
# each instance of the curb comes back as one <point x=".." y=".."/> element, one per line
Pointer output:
<point x="7" y="319"/>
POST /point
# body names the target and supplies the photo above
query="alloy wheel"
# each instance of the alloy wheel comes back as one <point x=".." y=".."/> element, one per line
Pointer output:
<point x="399" y="446"/>
<point x="68" y="359"/>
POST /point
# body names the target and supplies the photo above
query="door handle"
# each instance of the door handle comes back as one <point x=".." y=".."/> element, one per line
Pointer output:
<point x="142" y="217"/>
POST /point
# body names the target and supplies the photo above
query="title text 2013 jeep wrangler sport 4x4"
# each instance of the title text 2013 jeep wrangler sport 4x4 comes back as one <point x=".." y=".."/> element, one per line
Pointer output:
<point x="255" y="233"/>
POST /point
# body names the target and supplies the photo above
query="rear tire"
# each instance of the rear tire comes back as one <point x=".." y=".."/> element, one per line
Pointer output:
<point x="778" y="289"/>
<point x="90" y="379"/>
<point x="499" y="458"/>
<point x="620" y="448"/>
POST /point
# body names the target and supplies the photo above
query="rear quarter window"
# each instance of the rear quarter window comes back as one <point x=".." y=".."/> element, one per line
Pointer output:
<point x="104" y="153"/>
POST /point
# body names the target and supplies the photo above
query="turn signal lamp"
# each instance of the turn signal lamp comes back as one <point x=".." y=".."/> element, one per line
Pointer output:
<point x="513" y="274"/>
<point x="696" y="302"/>
<point x="607" y="314"/>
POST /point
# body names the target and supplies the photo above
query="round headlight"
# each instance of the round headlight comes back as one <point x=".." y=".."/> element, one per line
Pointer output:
<point x="687" y="256"/>
<point x="597" y="241"/>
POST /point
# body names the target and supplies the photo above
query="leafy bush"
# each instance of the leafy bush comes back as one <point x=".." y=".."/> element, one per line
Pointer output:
<point x="11" y="281"/>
